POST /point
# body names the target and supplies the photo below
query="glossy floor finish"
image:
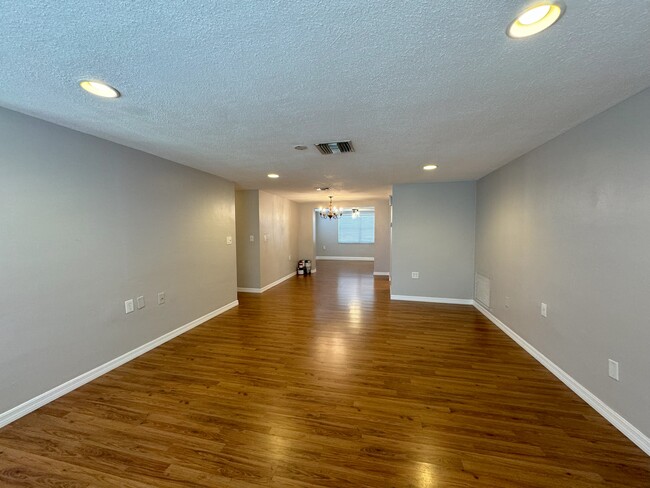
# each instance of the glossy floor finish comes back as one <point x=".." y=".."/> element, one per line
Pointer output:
<point x="323" y="381"/>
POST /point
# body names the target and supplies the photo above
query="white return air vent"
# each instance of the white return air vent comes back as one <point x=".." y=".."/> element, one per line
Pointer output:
<point x="335" y="147"/>
<point x="482" y="290"/>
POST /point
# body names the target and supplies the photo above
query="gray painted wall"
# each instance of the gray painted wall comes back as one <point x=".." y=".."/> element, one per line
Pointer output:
<point x="85" y="225"/>
<point x="247" y="211"/>
<point x="433" y="234"/>
<point x="569" y="224"/>
<point x="327" y="242"/>
<point x="279" y="222"/>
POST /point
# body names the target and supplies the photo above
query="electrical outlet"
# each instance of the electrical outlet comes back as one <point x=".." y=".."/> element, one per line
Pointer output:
<point x="161" y="298"/>
<point x="140" y="301"/>
<point x="228" y="240"/>
<point x="324" y="248"/>
<point x="128" y="306"/>
<point x="289" y="257"/>
<point x="613" y="369"/>
<point x="251" y="238"/>
<point x="266" y="237"/>
<point x="506" y="303"/>
<point x="543" y="309"/>
<point x="415" y="275"/>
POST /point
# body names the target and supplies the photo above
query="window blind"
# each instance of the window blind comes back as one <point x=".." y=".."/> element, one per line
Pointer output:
<point x="357" y="231"/>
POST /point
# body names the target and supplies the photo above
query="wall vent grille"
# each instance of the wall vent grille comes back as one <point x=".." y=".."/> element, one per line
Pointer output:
<point x="482" y="290"/>
<point x="335" y="147"/>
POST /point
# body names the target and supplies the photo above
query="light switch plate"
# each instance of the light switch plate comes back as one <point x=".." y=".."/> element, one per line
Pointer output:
<point x="229" y="240"/>
<point x="161" y="298"/>
<point x="140" y="301"/>
<point x="415" y="275"/>
<point x="128" y="306"/>
<point x="543" y="309"/>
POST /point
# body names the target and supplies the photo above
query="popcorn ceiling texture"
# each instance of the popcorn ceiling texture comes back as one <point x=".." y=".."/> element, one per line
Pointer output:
<point x="229" y="87"/>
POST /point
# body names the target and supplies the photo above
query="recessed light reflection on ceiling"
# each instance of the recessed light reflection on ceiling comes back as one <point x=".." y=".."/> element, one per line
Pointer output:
<point x="273" y="175"/>
<point x="99" y="89"/>
<point x="534" y="20"/>
<point x="429" y="167"/>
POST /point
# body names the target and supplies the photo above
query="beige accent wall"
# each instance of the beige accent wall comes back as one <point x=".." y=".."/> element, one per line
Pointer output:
<point x="279" y="251"/>
<point x="273" y="222"/>
<point x="247" y="211"/>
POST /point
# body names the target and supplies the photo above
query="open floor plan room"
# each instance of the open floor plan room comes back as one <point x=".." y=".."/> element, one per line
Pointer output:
<point x="323" y="381"/>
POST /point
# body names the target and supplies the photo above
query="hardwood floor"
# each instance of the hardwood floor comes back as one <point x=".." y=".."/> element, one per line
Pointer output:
<point x="323" y="381"/>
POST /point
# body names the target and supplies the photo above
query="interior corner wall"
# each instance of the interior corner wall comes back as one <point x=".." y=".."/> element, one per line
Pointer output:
<point x="382" y="235"/>
<point x="433" y="234"/>
<point x="306" y="233"/>
<point x="247" y="211"/>
<point x="87" y="224"/>
<point x="568" y="224"/>
<point x="279" y="222"/>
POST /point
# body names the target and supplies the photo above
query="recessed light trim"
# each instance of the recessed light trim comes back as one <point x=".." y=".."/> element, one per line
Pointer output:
<point x="430" y="167"/>
<point x="535" y="19"/>
<point x="273" y="175"/>
<point x="300" y="147"/>
<point x="99" y="89"/>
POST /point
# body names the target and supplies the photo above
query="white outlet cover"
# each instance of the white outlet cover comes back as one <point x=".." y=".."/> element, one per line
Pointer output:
<point x="161" y="298"/>
<point x="415" y="275"/>
<point x="543" y="309"/>
<point x="251" y="238"/>
<point x="128" y="306"/>
<point x="229" y="240"/>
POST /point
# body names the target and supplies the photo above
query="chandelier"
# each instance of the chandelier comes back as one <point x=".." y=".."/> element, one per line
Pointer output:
<point x="330" y="212"/>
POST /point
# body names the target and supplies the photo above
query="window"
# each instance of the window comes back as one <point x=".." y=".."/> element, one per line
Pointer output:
<point x="359" y="230"/>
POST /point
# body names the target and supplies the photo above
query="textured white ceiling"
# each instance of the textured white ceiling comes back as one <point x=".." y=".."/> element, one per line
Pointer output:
<point x="230" y="86"/>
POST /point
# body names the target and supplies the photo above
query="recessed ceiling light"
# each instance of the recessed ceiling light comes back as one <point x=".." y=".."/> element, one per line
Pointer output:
<point x="273" y="175"/>
<point x="429" y="167"/>
<point x="322" y="188"/>
<point x="99" y="89"/>
<point x="300" y="148"/>
<point x="534" y="20"/>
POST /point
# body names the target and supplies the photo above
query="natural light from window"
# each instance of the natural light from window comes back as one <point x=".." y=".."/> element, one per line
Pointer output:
<point x="357" y="227"/>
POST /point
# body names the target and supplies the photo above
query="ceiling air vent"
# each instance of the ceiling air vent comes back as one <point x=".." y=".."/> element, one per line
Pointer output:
<point x="335" y="147"/>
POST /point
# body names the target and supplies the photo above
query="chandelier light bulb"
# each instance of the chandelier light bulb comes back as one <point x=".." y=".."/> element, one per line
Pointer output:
<point x="330" y="212"/>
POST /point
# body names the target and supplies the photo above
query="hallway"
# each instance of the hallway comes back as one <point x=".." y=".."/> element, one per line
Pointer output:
<point x="323" y="381"/>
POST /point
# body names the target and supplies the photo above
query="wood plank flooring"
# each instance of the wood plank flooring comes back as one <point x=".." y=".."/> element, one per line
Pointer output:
<point x="323" y="381"/>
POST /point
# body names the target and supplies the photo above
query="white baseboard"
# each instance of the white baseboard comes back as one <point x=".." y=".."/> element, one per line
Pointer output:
<point x="269" y="286"/>
<point x="453" y="301"/>
<point x="58" y="391"/>
<point x="345" y="258"/>
<point x="631" y="432"/>
<point x="381" y="273"/>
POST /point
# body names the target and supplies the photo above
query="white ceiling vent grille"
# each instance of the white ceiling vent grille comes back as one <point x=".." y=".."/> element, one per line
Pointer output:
<point x="335" y="147"/>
